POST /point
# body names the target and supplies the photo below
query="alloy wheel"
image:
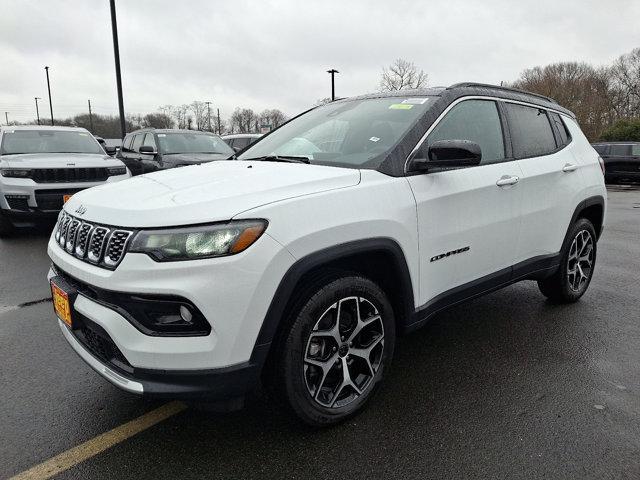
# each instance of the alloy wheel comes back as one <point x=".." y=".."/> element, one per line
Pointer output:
<point x="344" y="352"/>
<point x="580" y="261"/>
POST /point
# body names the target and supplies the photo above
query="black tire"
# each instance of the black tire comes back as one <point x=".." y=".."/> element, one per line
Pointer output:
<point x="295" y="377"/>
<point x="6" y="227"/>
<point x="562" y="286"/>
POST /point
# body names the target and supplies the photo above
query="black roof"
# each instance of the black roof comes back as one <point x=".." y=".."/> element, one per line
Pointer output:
<point x="470" y="88"/>
<point x="170" y="130"/>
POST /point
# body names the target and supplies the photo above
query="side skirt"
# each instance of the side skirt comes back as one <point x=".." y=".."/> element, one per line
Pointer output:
<point x="536" y="268"/>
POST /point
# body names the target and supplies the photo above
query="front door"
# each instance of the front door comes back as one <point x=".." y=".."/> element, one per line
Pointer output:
<point x="468" y="218"/>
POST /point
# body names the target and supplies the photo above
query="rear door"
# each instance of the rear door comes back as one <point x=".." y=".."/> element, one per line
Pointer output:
<point x="551" y="180"/>
<point x="468" y="218"/>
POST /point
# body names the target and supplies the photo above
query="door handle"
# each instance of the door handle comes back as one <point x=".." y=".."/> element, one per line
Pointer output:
<point x="569" y="167"/>
<point x="506" y="180"/>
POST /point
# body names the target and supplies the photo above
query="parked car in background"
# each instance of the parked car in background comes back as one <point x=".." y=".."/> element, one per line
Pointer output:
<point x="239" y="141"/>
<point x="621" y="160"/>
<point x="42" y="167"/>
<point x="149" y="150"/>
<point x="299" y="263"/>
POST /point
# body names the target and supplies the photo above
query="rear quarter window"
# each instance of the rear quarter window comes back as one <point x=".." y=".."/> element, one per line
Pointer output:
<point x="531" y="132"/>
<point x="619" y="150"/>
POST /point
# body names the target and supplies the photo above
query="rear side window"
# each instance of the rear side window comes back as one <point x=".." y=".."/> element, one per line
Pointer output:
<point x="564" y="136"/>
<point x="137" y="142"/>
<point x="601" y="149"/>
<point x="474" y="120"/>
<point x="531" y="132"/>
<point x="126" y="145"/>
<point x="619" y="150"/>
<point x="635" y="150"/>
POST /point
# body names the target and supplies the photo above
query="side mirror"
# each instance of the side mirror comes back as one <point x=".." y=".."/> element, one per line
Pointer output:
<point x="236" y="149"/>
<point x="147" y="150"/>
<point x="449" y="154"/>
<point x="110" y="150"/>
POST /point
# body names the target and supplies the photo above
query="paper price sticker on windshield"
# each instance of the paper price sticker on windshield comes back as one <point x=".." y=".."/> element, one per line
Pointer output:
<point x="414" y="101"/>
<point x="401" y="106"/>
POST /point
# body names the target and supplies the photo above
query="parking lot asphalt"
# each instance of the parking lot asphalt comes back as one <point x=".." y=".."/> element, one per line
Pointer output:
<point x="505" y="386"/>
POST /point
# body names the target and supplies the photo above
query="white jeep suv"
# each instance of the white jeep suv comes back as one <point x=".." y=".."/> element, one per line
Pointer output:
<point x="298" y="264"/>
<point x="42" y="167"/>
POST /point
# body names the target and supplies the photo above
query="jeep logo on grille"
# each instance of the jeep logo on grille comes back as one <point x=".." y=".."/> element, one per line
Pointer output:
<point x="81" y="210"/>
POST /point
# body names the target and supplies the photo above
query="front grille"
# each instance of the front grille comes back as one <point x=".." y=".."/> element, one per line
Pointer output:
<point x="100" y="344"/>
<point x="17" y="202"/>
<point x="98" y="244"/>
<point x="69" y="175"/>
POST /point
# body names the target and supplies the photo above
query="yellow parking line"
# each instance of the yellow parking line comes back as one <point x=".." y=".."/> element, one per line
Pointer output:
<point x="99" y="444"/>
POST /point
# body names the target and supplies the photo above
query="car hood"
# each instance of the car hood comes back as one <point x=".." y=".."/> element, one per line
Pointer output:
<point x="58" y="160"/>
<point x="215" y="191"/>
<point x="192" y="158"/>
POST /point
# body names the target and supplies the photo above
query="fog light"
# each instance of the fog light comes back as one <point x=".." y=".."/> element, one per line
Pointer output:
<point x="186" y="314"/>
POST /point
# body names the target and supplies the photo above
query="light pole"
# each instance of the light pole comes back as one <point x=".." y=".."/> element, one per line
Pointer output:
<point x="116" y="54"/>
<point x="6" y="117"/>
<point x="332" y="72"/>
<point x="37" y="111"/>
<point x="208" y="115"/>
<point x="46" y="69"/>
<point x="90" y="116"/>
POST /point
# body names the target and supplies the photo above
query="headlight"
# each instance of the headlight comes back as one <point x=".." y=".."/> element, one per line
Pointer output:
<point x="192" y="243"/>
<point x="117" y="171"/>
<point x="16" y="172"/>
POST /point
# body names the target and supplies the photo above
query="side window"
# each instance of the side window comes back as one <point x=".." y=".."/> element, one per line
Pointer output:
<point x="126" y="145"/>
<point x="635" y="150"/>
<point x="531" y="132"/>
<point x="474" y="120"/>
<point x="619" y="150"/>
<point x="150" y="141"/>
<point x="241" y="142"/>
<point x="230" y="142"/>
<point x="137" y="141"/>
<point x="561" y="129"/>
<point x="601" y="149"/>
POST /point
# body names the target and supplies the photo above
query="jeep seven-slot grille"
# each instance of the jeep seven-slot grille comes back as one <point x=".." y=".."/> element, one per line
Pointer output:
<point x="101" y="245"/>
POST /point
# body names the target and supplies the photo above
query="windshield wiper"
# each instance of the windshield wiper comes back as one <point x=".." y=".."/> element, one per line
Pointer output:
<point x="281" y="158"/>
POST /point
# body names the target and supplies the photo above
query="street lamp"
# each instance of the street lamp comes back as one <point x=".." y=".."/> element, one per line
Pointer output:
<point x="46" y="69"/>
<point x="116" y="54"/>
<point x="332" y="72"/>
<point x="37" y="111"/>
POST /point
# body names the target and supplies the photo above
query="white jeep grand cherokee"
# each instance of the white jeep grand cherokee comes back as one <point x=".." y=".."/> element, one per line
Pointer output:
<point x="42" y="167"/>
<point x="300" y="263"/>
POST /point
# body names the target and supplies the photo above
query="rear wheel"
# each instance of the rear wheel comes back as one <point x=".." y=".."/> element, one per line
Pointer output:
<point x="578" y="260"/>
<point x="339" y="343"/>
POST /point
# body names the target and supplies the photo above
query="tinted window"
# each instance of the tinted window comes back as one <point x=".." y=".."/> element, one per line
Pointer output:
<point x="184" y="142"/>
<point x="635" y="150"/>
<point x="474" y="120"/>
<point x="531" y="132"/>
<point x="137" y="141"/>
<point x="619" y="150"/>
<point x="149" y="140"/>
<point x="126" y="145"/>
<point x="241" y="142"/>
<point x="601" y="149"/>
<point x="561" y="129"/>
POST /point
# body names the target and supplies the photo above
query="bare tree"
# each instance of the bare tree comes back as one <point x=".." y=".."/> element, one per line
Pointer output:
<point x="323" y="101"/>
<point x="625" y="77"/>
<point x="199" y="110"/>
<point x="272" y="118"/>
<point x="157" y="120"/>
<point x="402" y="75"/>
<point x="578" y="86"/>
<point x="243" y="120"/>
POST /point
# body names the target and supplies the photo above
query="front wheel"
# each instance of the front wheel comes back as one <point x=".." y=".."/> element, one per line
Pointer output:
<point x="339" y="344"/>
<point x="577" y="263"/>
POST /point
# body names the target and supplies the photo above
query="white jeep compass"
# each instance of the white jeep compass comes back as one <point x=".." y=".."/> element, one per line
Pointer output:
<point x="42" y="167"/>
<point x="299" y="264"/>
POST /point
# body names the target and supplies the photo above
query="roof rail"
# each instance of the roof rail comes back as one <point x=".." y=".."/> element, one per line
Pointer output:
<point x="500" y="87"/>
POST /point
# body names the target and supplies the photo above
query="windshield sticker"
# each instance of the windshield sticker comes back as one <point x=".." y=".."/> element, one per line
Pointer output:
<point x="374" y="139"/>
<point x="415" y="101"/>
<point x="401" y="106"/>
<point x="162" y="134"/>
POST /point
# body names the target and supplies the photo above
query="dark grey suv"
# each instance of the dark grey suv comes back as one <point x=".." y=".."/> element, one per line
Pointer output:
<point x="148" y="150"/>
<point x="621" y="160"/>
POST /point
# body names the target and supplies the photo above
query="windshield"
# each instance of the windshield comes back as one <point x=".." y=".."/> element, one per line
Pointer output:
<point x="171" y="143"/>
<point x="48" y="141"/>
<point x="352" y="134"/>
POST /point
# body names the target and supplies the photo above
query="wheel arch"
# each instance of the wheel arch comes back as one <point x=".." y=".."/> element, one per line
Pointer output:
<point x="380" y="259"/>
<point x="593" y="209"/>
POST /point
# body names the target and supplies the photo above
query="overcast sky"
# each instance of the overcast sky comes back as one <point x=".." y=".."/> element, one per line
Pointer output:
<point x="274" y="54"/>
